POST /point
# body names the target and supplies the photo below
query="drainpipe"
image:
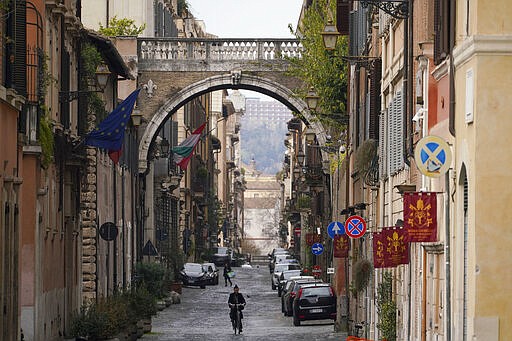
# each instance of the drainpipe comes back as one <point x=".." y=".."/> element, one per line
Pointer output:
<point x="123" y="226"/>
<point x="405" y="100"/>
<point x="408" y="103"/>
<point x="451" y="127"/>
<point x="447" y="257"/>
<point x="114" y="273"/>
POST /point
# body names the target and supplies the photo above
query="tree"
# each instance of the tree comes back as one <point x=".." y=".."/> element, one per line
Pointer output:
<point x="121" y="27"/>
<point x="323" y="70"/>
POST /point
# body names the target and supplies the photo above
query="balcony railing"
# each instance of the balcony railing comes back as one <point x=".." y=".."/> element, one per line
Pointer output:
<point x="217" y="49"/>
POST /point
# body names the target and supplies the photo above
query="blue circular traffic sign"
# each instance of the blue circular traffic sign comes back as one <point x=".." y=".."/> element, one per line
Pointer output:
<point x="355" y="226"/>
<point x="317" y="249"/>
<point x="335" y="228"/>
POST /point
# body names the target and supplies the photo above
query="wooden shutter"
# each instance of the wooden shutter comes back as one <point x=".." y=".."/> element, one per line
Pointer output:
<point x="16" y="47"/>
<point x="342" y="17"/>
<point x="399" y="160"/>
<point x="442" y="29"/>
<point x="65" y="79"/>
<point x="375" y="76"/>
<point x="383" y="168"/>
<point x="352" y="48"/>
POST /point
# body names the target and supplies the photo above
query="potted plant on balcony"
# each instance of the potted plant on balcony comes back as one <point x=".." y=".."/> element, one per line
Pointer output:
<point x="303" y="202"/>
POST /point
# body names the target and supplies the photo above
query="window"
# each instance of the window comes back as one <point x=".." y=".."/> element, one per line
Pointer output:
<point x="395" y="134"/>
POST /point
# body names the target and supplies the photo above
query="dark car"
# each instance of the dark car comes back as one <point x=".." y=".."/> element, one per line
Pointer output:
<point x="193" y="274"/>
<point x="285" y="276"/>
<point x="212" y="273"/>
<point x="292" y="291"/>
<point x="314" y="302"/>
<point x="221" y="256"/>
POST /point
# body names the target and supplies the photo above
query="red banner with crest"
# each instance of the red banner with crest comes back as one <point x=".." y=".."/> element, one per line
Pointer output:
<point x="390" y="248"/>
<point x="341" y="245"/>
<point x="312" y="238"/>
<point x="420" y="216"/>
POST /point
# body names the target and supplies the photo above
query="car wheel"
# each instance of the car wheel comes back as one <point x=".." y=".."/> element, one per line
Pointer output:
<point x="278" y="292"/>
<point x="296" y="321"/>
<point x="217" y="281"/>
<point x="282" y="306"/>
<point x="273" y="286"/>
<point x="203" y="286"/>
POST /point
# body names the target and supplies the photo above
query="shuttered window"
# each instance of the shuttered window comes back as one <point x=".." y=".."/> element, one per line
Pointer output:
<point x="65" y="88"/>
<point x="395" y="133"/>
<point x="358" y="23"/>
<point x="342" y="17"/>
<point x="375" y="76"/>
<point x="442" y="28"/>
<point x="383" y="144"/>
<point x="16" y="47"/>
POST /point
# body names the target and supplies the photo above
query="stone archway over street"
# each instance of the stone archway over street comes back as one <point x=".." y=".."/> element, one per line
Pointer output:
<point x="172" y="71"/>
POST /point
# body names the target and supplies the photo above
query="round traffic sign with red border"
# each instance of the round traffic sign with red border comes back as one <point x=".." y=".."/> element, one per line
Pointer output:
<point x="355" y="226"/>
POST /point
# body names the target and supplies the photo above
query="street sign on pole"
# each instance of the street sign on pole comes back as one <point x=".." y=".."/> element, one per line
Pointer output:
<point x="335" y="228"/>
<point x="317" y="249"/>
<point x="355" y="226"/>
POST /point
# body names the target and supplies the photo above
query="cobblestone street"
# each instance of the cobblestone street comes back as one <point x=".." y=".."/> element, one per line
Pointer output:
<point x="203" y="314"/>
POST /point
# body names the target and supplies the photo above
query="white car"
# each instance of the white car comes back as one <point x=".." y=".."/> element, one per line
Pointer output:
<point x="279" y="268"/>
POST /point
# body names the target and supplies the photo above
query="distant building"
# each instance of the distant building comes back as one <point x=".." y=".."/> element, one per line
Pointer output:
<point x="273" y="112"/>
<point x="261" y="209"/>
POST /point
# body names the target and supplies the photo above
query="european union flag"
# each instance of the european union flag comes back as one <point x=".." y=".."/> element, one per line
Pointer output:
<point x="110" y="132"/>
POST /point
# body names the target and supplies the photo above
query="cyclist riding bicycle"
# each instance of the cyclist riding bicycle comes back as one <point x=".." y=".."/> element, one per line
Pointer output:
<point x="236" y="299"/>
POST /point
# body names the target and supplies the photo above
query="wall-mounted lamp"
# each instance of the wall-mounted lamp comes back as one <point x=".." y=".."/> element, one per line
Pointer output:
<point x="136" y="117"/>
<point x="312" y="99"/>
<point x="300" y="157"/>
<point x="102" y="76"/>
<point x="329" y="36"/>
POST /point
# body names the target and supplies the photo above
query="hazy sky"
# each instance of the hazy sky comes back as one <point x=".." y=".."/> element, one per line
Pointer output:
<point x="248" y="18"/>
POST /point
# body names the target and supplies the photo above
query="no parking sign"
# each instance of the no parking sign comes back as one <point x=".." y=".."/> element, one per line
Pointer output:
<point x="355" y="226"/>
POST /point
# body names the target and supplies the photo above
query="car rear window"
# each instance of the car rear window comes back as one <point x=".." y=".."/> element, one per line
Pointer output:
<point x="316" y="291"/>
<point x="288" y="274"/>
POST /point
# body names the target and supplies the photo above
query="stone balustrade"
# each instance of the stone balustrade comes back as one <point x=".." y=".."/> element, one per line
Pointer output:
<point x="217" y="49"/>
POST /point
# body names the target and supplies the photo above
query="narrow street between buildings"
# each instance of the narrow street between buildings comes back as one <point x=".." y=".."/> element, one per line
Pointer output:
<point x="204" y="314"/>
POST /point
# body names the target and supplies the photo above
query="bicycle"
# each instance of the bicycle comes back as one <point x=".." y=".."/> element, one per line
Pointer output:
<point x="236" y="320"/>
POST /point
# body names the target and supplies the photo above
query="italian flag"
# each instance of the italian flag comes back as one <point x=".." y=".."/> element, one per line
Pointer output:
<point x="184" y="151"/>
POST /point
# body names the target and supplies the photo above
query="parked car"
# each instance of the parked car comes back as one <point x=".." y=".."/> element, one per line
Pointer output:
<point x="280" y="268"/>
<point x="314" y="302"/>
<point x="271" y="257"/>
<point x="285" y="275"/>
<point x="279" y="258"/>
<point x="193" y="274"/>
<point x="289" y="296"/>
<point x="288" y="285"/>
<point x="212" y="273"/>
<point x="221" y="256"/>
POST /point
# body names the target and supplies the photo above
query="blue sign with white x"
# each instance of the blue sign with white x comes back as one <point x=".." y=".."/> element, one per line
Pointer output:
<point x="335" y="228"/>
<point x="317" y="249"/>
<point x="432" y="156"/>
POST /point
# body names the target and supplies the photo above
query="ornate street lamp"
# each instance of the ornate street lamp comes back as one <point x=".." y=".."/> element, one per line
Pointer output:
<point x="312" y="99"/>
<point x="136" y="117"/>
<point x="330" y="36"/>
<point x="102" y="76"/>
<point x="300" y="158"/>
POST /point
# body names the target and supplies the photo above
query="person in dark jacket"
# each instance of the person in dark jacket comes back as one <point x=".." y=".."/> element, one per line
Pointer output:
<point x="227" y="268"/>
<point x="236" y="298"/>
